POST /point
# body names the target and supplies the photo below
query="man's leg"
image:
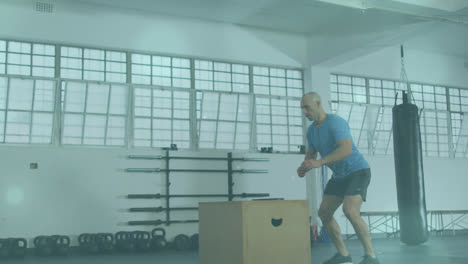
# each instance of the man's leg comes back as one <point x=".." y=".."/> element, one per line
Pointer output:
<point x="352" y="210"/>
<point x="327" y="208"/>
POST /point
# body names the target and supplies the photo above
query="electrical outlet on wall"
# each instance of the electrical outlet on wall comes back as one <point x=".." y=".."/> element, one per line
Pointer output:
<point x="33" y="165"/>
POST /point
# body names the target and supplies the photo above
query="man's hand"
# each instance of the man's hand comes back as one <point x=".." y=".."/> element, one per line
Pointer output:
<point x="308" y="165"/>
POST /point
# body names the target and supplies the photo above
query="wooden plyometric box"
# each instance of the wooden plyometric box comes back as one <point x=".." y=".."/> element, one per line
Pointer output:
<point x="254" y="232"/>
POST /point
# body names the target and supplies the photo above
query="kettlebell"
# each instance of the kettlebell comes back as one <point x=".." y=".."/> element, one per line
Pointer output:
<point x="61" y="245"/>
<point x="43" y="245"/>
<point x="142" y="241"/>
<point x="88" y="243"/>
<point x="182" y="242"/>
<point x="18" y="247"/>
<point x="158" y="240"/>
<point x="105" y="242"/>
<point x="4" y="248"/>
<point x="194" y="238"/>
<point x="124" y="241"/>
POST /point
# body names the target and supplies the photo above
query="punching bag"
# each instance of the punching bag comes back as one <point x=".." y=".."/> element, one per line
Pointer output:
<point x="409" y="173"/>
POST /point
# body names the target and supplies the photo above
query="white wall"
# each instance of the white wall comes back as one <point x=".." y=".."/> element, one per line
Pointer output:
<point x="78" y="189"/>
<point x="420" y="66"/>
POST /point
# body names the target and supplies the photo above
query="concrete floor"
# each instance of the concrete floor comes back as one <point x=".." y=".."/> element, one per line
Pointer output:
<point x="438" y="250"/>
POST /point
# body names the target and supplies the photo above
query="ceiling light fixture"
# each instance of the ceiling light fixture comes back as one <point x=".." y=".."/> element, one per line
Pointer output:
<point x="446" y="5"/>
<point x="359" y="4"/>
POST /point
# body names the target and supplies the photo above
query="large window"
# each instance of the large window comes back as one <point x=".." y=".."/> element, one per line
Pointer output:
<point x="277" y="106"/>
<point x="161" y="71"/>
<point x="366" y="103"/>
<point x="73" y="95"/>
<point x="161" y="118"/>
<point x="224" y="120"/>
<point x="279" y="123"/>
<point x="94" y="114"/>
<point x="23" y="58"/>
<point x="220" y="76"/>
<point x="93" y="65"/>
<point x="26" y="110"/>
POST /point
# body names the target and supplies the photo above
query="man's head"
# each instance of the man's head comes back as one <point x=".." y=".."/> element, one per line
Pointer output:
<point x="311" y="106"/>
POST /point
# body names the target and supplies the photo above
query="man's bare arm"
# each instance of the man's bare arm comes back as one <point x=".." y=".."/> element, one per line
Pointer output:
<point x="311" y="154"/>
<point x="345" y="148"/>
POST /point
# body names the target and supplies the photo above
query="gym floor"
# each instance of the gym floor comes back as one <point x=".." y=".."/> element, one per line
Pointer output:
<point x="438" y="250"/>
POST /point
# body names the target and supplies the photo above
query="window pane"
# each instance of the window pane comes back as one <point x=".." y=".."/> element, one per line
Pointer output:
<point x="3" y="91"/>
<point x="42" y="124"/>
<point x="44" y="95"/>
<point x="75" y="94"/>
<point x="18" y="127"/>
<point x="20" y="94"/>
<point x="94" y="130"/>
<point x="97" y="98"/>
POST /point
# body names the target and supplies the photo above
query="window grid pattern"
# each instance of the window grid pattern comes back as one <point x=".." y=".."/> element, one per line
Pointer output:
<point x="436" y="117"/>
<point x="458" y="100"/>
<point x="456" y="124"/>
<point x="277" y="82"/>
<point x="382" y="92"/>
<point x="94" y="114"/>
<point x="93" y="64"/>
<point x="382" y="141"/>
<point x="224" y="120"/>
<point x="219" y="76"/>
<point x="348" y="89"/>
<point x="26" y="110"/>
<point x="94" y="106"/>
<point x="278" y="123"/>
<point x="434" y="133"/>
<point x="461" y="142"/>
<point x="22" y="58"/>
<point x="429" y="97"/>
<point x="2" y="56"/>
<point x="362" y="120"/>
<point x="161" y="71"/>
<point x="161" y="118"/>
<point x="458" y="110"/>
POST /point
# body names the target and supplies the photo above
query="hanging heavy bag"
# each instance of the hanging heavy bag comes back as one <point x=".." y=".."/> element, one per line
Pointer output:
<point x="409" y="173"/>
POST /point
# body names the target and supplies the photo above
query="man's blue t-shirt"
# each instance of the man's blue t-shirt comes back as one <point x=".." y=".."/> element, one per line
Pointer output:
<point x="324" y="140"/>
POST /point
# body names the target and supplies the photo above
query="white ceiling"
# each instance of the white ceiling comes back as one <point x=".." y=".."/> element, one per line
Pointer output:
<point x="300" y="16"/>
<point x="447" y="33"/>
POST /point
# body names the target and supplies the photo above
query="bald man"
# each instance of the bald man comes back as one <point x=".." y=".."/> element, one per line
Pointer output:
<point x="330" y="136"/>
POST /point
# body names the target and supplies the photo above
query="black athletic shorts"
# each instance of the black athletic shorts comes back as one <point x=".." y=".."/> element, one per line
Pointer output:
<point x="353" y="184"/>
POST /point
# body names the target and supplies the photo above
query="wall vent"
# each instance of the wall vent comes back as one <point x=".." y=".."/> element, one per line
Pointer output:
<point x="44" y="7"/>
